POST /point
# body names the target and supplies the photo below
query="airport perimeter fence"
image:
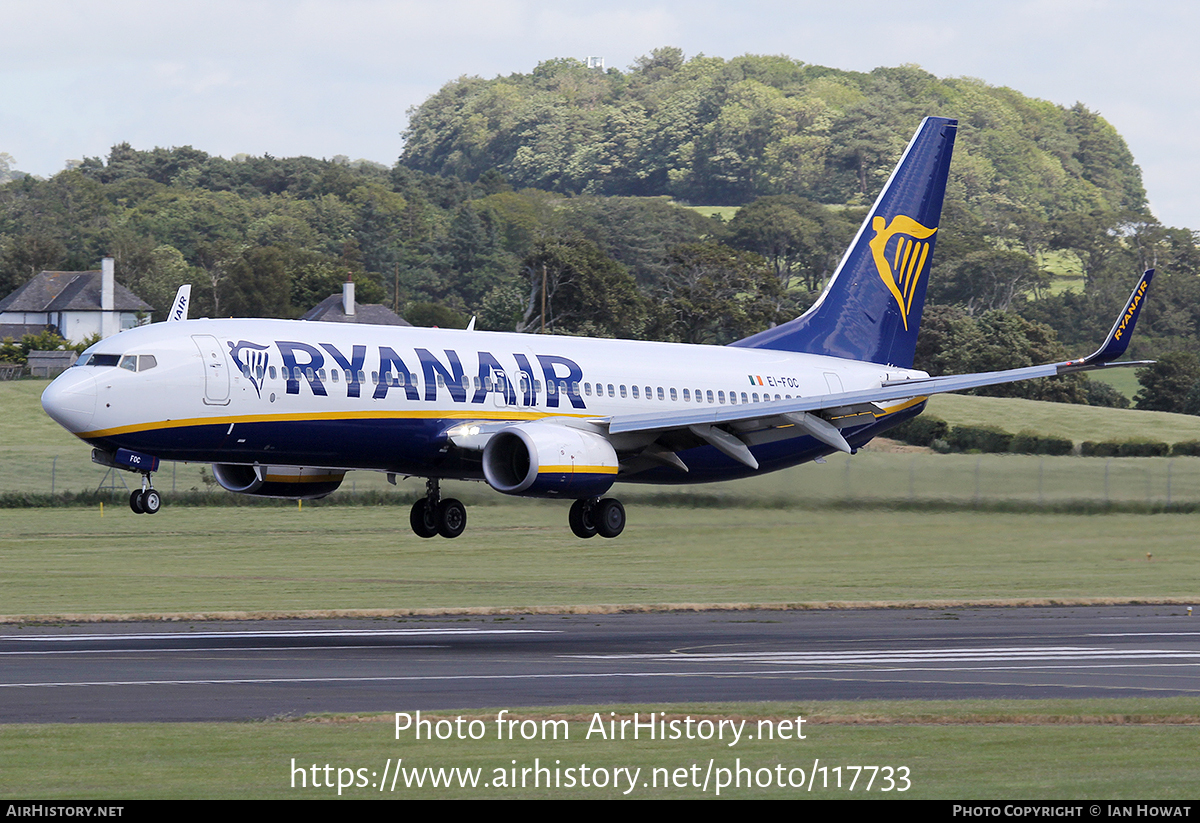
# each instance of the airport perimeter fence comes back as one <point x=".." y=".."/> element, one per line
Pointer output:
<point x="1026" y="482"/>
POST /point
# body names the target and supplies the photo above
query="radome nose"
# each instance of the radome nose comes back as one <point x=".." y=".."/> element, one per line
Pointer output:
<point x="71" y="399"/>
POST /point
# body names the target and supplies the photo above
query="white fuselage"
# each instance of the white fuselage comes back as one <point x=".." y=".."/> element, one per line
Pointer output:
<point x="381" y="397"/>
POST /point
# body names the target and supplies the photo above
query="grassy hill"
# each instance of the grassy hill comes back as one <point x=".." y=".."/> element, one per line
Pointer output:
<point x="1079" y="423"/>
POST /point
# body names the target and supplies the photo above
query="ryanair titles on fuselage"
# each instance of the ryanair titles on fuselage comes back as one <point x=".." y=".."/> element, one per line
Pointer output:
<point x="389" y="371"/>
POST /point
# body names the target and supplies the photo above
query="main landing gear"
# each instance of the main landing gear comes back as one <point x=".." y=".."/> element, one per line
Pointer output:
<point x="593" y="516"/>
<point x="145" y="500"/>
<point x="431" y="515"/>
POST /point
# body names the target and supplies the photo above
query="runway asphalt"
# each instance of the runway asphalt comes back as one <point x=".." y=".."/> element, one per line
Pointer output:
<point x="249" y="670"/>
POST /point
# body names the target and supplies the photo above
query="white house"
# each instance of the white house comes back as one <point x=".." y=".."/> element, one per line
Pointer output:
<point x="77" y="303"/>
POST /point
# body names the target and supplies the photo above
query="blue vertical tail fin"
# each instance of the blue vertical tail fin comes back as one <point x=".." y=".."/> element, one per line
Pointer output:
<point x="871" y="308"/>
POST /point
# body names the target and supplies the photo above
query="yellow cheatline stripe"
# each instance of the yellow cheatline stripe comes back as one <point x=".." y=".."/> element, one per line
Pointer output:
<point x="570" y="469"/>
<point x="466" y="414"/>
<point x="367" y="415"/>
<point x="907" y="404"/>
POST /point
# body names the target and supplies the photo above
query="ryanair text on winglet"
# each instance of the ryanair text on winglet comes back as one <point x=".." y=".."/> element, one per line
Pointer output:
<point x="1132" y="310"/>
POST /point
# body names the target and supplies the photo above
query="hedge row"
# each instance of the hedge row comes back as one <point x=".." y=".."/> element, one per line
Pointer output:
<point x="940" y="435"/>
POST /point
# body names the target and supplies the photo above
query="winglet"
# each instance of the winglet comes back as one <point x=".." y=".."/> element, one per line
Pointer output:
<point x="1117" y="341"/>
<point x="179" y="308"/>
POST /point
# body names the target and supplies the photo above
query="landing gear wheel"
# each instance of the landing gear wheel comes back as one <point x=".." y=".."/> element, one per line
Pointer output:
<point x="135" y="502"/>
<point x="422" y="518"/>
<point x="151" y="502"/>
<point x="582" y="518"/>
<point x="609" y="516"/>
<point x="451" y="517"/>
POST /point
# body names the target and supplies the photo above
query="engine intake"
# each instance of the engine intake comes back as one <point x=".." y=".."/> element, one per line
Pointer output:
<point x="287" y="482"/>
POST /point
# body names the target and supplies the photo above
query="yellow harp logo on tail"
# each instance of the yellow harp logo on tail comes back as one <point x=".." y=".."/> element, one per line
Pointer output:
<point x="900" y="264"/>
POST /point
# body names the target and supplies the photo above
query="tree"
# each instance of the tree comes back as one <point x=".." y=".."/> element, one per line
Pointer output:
<point x="987" y="280"/>
<point x="798" y="237"/>
<point x="1166" y="384"/>
<point x="952" y="342"/>
<point x="574" y="288"/>
<point x="7" y="172"/>
<point x="258" y="284"/>
<point x="714" y="294"/>
<point x="26" y="255"/>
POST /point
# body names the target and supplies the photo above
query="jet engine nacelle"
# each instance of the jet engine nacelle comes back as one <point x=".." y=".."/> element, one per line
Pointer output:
<point x="549" y="460"/>
<point x="289" y="482"/>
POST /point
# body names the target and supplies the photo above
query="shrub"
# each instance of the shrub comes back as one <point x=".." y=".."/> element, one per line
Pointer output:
<point x="920" y="431"/>
<point x="1188" y="448"/>
<point x="1105" y="448"/>
<point x="1030" y="442"/>
<point x="1134" y="447"/>
<point x="1143" y="448"/>
<point x="979" y="438"/>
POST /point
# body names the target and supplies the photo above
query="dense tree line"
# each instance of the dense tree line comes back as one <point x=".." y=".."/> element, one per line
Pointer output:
<point x="555" y="201"/>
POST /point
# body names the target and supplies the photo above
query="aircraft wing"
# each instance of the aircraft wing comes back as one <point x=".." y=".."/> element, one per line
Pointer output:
<point x="820" y="415"/>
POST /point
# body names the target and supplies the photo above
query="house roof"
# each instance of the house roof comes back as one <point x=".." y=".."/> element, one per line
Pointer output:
<point x="51" y="291"/>
<point x="330" y="310"/>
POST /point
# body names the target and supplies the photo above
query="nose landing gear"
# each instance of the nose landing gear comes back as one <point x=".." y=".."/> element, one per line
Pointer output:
<point x="145" y="500"/>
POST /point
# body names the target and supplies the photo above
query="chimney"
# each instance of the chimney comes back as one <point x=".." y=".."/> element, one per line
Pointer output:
<point x="109" y="324"/>
<point x="107" y="284"/>
<point x="348" y="297"/>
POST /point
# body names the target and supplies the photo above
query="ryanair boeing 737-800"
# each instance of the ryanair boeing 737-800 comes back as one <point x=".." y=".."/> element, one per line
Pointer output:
<point x="285" y="408"/>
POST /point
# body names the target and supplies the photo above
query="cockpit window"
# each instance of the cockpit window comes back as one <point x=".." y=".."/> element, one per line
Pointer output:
<point x="129" y="362"/>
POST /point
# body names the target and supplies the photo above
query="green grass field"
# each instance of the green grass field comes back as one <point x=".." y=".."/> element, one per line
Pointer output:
<point x="1010" y="750"/>
<point x="1063" y="419"/>
<point x="68" y="562"/>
